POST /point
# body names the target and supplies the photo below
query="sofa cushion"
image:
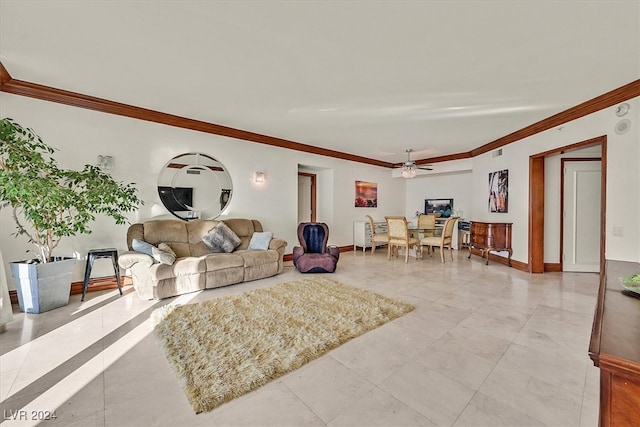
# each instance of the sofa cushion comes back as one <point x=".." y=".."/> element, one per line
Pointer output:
<point x="167" y="230"/>
<point x="182" y="267"/>
<point x="221" y="239"/>
<point x="171" y="231"/>
<point x="142" y="246"/>
<point x="221" y="261"/>
<point x="253" y="258"/>
<point x="260" y="240"/>
<point x="244" y="228"/>
<point x="197" y="229"/>
<point x="164" y="254"/>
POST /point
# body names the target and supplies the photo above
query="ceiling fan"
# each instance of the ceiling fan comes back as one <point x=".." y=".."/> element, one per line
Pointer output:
<point x="409" y="168"/>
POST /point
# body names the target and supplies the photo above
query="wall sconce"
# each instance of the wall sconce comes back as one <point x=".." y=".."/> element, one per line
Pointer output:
<point x="260" y="177"/>
<point x="105" y="162"/>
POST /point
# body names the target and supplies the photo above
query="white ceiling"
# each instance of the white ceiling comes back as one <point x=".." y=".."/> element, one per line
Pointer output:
<point x="370" y="78"/>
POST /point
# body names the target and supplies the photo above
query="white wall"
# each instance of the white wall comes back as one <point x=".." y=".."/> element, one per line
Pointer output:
<point x="452" y="184"/>
<point x="623" y="179"/>
<point x="141" y="149"/>
<point x="470" y="189"/>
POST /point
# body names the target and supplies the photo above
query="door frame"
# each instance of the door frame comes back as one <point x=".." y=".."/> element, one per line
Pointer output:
<point x="536" y="201"/>
<point x="313" y="193"/>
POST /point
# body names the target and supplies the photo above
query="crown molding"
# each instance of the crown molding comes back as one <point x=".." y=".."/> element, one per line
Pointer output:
<point x="609" y="99"/>
<point x="46" y="93"/>
<point x="5" y="77"/>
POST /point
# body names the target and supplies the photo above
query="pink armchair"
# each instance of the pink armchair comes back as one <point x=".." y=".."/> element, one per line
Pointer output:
<point x="313" y="255"/>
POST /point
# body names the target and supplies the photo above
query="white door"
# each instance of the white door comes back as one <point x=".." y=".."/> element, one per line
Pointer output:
<point x="304" y="198"/>
<point x="581" y="222"/>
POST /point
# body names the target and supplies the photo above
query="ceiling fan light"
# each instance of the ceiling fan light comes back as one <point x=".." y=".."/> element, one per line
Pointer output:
<point x="408" y="172"/>
<point x="409" y="168"/>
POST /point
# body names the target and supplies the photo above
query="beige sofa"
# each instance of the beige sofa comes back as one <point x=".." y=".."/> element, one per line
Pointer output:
<point x="196" y="267"/>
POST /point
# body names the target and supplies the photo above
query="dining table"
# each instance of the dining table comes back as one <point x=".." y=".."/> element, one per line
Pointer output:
<point x="419" y="232"/>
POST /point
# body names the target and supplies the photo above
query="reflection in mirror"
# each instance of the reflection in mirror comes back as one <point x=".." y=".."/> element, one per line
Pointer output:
<point x="194" y="185"/>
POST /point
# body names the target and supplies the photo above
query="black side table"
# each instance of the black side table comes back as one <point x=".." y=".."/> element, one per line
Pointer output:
<point x="94" y="254"/>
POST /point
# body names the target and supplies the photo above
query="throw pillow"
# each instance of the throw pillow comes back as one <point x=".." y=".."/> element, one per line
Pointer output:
<point x="260" y="240"/>
<point x="164" y="254"/>
<point x="142" y="246"/>
<point x="221" y="238"/>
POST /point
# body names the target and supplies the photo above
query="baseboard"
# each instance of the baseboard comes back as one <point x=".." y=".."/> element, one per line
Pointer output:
<point x="553" y="267"/>
<point x="97" y="284"/>
<point x="518" y="265"/>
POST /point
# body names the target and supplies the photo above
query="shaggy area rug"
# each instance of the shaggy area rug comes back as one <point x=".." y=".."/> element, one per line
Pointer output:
<point x="223" y="348"/>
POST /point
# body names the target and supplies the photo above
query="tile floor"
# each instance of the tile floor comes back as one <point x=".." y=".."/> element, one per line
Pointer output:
<point x="486" y="346"/>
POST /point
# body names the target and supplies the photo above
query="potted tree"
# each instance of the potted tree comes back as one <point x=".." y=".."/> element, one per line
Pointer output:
<point x="50" y="203"/>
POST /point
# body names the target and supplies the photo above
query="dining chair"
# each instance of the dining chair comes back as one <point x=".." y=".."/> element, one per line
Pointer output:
<point x="375" y="237"/>
<point x="442" y="241"/>
<point x="398" y="235"/>
<point x="427" y="224"/>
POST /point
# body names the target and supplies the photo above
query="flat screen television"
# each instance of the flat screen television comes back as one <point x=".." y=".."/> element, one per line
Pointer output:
<point x="444" y="207"/>
<point x="176" y="198"/>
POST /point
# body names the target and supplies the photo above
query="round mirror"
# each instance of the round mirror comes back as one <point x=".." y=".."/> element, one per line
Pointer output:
<point x="194" y="185"/>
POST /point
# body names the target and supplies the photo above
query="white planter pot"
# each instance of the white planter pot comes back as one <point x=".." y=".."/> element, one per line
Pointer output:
<point x="43" y="287"/>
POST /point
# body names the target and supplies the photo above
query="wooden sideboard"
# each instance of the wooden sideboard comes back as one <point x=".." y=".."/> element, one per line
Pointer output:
<point x="615" y="347"/>
<point x="490" y="236"/>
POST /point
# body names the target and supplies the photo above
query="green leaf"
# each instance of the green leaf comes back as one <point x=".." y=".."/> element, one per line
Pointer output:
<point x="55" y="202"/>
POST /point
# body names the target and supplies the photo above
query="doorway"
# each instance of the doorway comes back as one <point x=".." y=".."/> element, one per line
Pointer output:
<point x="536" y="202"/>
<point x="581" y="215"/>
<point x="306" y="197"/>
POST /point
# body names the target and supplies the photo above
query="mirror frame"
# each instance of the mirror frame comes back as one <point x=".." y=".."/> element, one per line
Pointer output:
<point x="185" y="195"/>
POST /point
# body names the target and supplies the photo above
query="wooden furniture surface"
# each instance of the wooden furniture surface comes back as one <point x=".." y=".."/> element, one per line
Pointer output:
<point x="615" y="347"/>
<point x="490" y="236"/>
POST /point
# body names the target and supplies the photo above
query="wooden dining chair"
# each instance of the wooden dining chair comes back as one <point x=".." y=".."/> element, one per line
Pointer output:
<point x="442" y="241"/>
<point x="375" y="237"/>
<point x="398" y="236"/>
